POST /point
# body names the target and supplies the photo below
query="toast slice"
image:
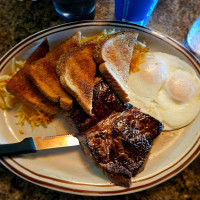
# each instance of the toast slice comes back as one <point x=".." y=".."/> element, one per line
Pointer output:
<point x="114" y="56"/>
<point x="19" y="85"/>
<point x="43" y="73"/>
<point x="77" y="71"/>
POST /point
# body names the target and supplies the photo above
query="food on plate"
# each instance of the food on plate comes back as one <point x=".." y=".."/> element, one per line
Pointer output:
<point x="43" y="73"/>
<point x="118" y="137"/>
<point x="114" y="56"/>
<point x="92" y="78"/>
<point x="77" y="71"/>
<point x="167" y="88"/>
<point x="19" y="85"/>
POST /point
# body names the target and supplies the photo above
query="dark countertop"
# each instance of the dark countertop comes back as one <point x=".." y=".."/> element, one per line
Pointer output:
<point x="19" y="19"/>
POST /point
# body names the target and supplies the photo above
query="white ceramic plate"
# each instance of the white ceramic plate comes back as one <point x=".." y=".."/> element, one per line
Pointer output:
<point x="68" y="169"/>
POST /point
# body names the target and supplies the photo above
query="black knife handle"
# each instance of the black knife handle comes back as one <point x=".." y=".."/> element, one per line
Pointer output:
<point x="25" y="146"/>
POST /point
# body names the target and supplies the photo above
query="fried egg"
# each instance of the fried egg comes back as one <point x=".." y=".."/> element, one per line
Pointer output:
<point x="167" y="88"/>
<point x="150" y="78"/>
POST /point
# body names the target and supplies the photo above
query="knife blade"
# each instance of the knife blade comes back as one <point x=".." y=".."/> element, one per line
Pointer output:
<point x="33" y="144"/>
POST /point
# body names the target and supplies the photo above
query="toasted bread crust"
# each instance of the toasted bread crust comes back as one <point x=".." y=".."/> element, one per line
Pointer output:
<point x="77" y="71"/>
<point x="20" y="86"/>
<point x="114" y="56"/>
<point x="43" y="73"/>
<point x="97" y="52"/>
<point x="116" y="83"/>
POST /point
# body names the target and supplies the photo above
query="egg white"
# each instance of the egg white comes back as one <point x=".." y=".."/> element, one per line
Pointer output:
<point x="176" y="114"/>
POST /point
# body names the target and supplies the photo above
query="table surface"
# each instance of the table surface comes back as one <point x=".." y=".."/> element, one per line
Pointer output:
<point x="19" y="19"/>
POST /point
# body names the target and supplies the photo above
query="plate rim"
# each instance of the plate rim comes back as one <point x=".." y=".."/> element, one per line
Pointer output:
<point x="166" y="38"/>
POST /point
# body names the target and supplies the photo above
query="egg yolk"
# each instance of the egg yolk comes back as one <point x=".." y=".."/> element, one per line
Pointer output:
<point x="153" y="70"/>
<point x="181" y="86"/>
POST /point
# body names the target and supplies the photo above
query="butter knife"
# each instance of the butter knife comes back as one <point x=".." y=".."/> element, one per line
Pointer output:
<point x="31" y="145"/>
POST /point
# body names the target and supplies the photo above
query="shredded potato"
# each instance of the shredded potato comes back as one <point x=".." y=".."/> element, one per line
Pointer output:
<point x="32" y="116"/>
<point x="7" y="100"/>
<point x="105" y="33"/>
<point x="20" y="64"/>
<point x="139" y="53"/>
<point x="24" y="112"/>
<point x="16" y="66"/>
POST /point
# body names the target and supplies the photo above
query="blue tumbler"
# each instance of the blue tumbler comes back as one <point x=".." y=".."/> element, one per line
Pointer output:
<point x="134" y="11"/>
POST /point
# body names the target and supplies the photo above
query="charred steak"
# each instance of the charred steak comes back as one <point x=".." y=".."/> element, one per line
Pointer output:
<point x="118" y="137"/>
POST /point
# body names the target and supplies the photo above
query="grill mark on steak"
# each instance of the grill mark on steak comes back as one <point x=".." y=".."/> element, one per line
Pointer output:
<point x="118" y="137"/>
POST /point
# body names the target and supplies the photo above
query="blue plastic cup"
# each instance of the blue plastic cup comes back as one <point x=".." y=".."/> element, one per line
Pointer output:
<point x="134" y="11"/>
